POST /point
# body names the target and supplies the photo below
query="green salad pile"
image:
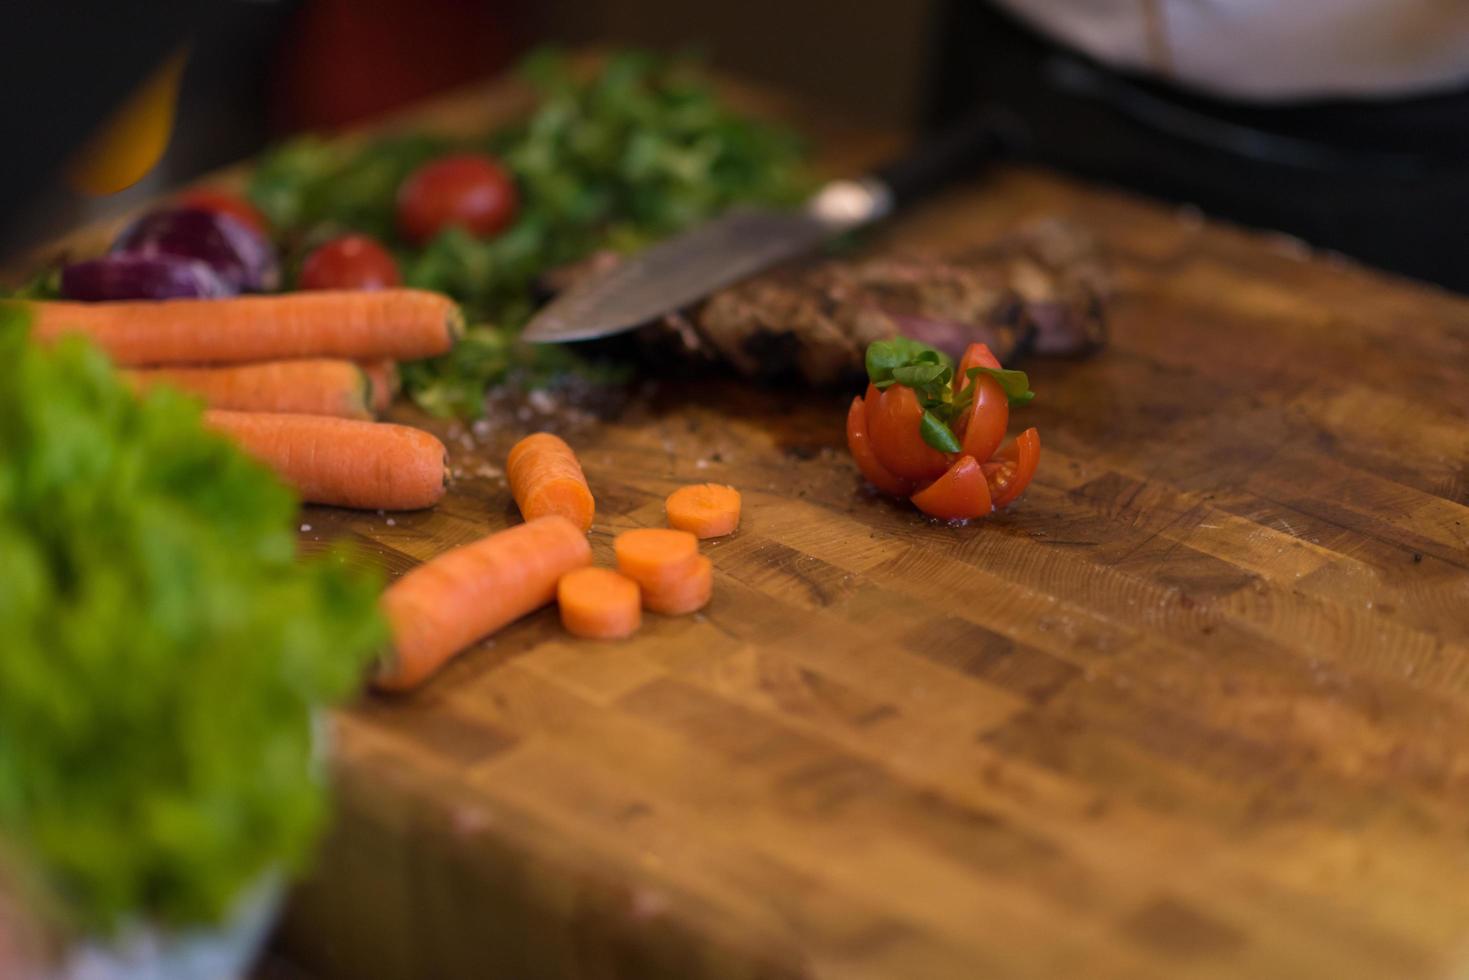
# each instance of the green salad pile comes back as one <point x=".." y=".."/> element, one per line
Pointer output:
<point x="643" y="148"/>
<point x="164" y="651"/>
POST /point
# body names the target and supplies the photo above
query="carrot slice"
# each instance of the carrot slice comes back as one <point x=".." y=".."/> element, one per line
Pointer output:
<point x="545" y="478"/>
<point x="654" y="557"/>
<point x="311" y="387"/>
<point x="345" y="462"/>
<point x="688" y="594"/>
<point x="386" y="382"/>
<point x="464" y="595"/>
<point x="706" y="510"/>
<point x="599" y="604"/>
<point x="395" y="323"/>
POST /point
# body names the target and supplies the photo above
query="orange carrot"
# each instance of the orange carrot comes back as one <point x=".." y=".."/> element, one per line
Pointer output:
<point x="313" y="387"/>
<point x="656" y="558"/>
<point x="689" y="594"/>
<point x="706" y="510"/>
<point x="463" y="595"/>
<point x="545" y="478"/>
<point x="345" y="462"/>
<point x="599" y="604"/>
<point x="392" y="323"/>
<point x="386" y="382"/>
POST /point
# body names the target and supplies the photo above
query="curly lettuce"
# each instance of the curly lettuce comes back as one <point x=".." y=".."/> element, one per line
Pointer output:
<point x="165" y="653"/>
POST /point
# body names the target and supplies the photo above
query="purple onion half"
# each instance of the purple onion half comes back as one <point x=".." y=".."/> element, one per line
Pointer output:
<point x="115" y="277"/>
<point x="242" y="258"/>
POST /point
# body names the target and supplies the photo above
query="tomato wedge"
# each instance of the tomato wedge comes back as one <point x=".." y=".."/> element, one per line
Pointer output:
<point x="961" y="493"/>
<point x="982" y="428"/>
<point x="893" y="418"/>
<point x="861" y="447"/>
<point x="975" y="355"/>
<point x="1010" y="471"/>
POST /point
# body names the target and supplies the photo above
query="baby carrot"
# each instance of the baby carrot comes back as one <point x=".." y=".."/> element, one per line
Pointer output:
<point x="463" y="595"/>
<point x="656" y="558"/>
<point x="392" y="323"/>
<point x="706" y="510"/>
<point x="309" y="387"/>
<point x="685" y="595"/>
<point x="383" y="373"/>
<point x="344" y="462"/>
<point x="545" y="478"/>
<point x="599" y="604"/>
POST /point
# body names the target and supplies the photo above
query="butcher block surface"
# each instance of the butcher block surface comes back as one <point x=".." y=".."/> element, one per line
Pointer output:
<point x="1198" y="705"/>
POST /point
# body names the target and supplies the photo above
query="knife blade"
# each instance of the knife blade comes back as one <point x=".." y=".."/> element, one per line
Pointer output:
<point x="689" y="266"/>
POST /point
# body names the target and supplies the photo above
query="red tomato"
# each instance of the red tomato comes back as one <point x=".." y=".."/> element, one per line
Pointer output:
<point x="223" y="202"/>
<point x="975" y="355"/>
<point x="469" y="190"/>
<point x="1011" y="469"/>
<point x="982" y="428"/>
<point x="350" y="262"/>
<point x="893" y="417"/>
<point x="861" y="447"/>
<point x="960" y="494"/>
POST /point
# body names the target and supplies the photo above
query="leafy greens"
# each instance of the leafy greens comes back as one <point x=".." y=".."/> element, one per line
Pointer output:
<point x="643" y="148"/>
<point x="930" y="373"/>
<point x="164" y="652"/>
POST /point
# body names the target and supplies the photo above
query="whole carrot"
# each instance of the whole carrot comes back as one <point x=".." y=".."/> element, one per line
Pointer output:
<point x="391" y="323"/>
<point x="344" y="462"/>
<point x="463" y="595"/>
<point x="386" y="382"/>
<point x="309" y="387"/>
<point x="545" y="478"/>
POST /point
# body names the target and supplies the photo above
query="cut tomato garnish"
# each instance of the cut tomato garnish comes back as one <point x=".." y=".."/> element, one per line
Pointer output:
<point x="1010" y="470"/>
<point x="894" y="418"/>
<point x="961" y="493"/>
<point x="981" y="429"/>
<point x="861" y="447"/>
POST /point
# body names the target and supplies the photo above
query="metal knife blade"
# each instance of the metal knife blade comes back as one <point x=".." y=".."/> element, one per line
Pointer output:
<point x="690" y="266"/>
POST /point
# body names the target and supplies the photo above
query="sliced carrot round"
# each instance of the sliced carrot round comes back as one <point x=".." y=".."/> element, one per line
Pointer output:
<point x="685" y="595"/>
<point x="654" y="557"/>
<point x="599" y="604"/>
<point x="705" y="510"/>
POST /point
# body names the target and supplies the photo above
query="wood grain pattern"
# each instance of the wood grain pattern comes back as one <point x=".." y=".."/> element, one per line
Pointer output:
<point x="1198" y="706"/>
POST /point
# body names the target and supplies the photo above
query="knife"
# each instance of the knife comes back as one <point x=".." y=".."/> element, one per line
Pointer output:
<point x="689" y="266"/>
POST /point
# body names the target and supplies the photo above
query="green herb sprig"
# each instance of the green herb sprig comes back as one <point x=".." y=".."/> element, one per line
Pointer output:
<point x="643" y="148"/>
<point x="930" y="373"/>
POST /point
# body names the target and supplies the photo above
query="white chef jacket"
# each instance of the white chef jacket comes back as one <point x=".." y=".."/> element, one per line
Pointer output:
<point x="1270" y="50"/>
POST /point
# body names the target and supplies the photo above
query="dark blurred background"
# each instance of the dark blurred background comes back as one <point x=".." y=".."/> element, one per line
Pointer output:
<point x="1379" y="179"/>
<point x="259" y="70"/>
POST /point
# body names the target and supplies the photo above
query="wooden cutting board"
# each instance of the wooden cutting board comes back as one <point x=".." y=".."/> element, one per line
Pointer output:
<point x="1196" y="706"/>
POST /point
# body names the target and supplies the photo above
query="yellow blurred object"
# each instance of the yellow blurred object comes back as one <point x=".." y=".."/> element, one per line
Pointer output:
<point x="133" y="140"/>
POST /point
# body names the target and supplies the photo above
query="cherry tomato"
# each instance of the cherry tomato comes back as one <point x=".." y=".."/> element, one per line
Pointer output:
<point x="861" y="447"/>
<point x="467" y="190"/>
<point x="982" y="428"/>
<point x="893" y="417"/>
<point x="350" y="262"/>
<point x="975" y="355"/>
<point x="1010" y="471"/>
<point x="960" y="494"/>
<point x="223" y="202"/>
